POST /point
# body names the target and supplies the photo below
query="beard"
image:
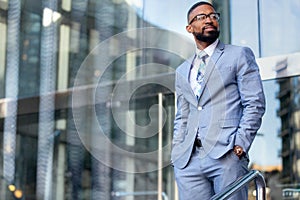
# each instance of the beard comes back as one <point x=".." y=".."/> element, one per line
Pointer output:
<point x="209" y="38"/>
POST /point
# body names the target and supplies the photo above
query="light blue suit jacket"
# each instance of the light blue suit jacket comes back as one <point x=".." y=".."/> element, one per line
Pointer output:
<point x="229" y="110"/>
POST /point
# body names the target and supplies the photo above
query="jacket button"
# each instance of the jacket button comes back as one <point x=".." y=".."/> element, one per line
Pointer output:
<point x="200" y="107"/>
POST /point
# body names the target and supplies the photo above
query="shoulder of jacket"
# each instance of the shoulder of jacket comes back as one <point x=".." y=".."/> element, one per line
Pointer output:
<point x="186" y="64"/>
<point x="236" y="47"/>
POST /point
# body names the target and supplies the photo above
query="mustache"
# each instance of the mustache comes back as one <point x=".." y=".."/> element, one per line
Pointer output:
<point x="210" y="26"/>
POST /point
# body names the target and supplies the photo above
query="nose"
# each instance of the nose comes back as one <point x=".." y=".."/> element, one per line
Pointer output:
<point x="208" y="20"/>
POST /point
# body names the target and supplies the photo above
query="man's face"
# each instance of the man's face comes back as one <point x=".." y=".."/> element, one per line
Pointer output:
<point x="206" y="30"/>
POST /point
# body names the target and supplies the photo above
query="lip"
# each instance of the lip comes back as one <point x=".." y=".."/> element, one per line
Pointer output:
<point x="209" y="28"/>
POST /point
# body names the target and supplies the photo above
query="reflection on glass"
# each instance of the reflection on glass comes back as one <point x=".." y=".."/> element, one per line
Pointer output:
<point x="63" y="58"/>
<point x="11" y="92"/>
<point x="3" y="40"/>
<point x="50" y="16"/>
<point x="44" y="189"/>
<point x="66" y="5"/>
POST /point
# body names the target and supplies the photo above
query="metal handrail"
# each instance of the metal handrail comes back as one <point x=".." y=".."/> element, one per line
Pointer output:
<point x="255" y="175"/>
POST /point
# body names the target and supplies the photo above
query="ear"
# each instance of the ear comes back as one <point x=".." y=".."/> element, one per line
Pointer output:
<point x="189" y="28"/>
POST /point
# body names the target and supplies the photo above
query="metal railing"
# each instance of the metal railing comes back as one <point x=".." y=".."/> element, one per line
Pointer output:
<point x="255" y="175"/>
<point x="225" y="194"/>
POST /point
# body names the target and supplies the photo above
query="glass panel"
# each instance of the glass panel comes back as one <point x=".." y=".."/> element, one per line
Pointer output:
<point x="3" y="30"/>
<point x="276" y="38"/>
<point x="30" y="46"/>
<point x="245" y="14"/>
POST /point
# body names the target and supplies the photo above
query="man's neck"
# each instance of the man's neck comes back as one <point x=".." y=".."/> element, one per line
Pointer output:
<point x="202" y="45"/>
<point x="209" y="49"/>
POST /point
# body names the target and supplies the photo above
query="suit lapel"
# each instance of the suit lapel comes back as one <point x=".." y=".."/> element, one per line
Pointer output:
<point x="186" y="86"/>
<point x="211" y="65"/>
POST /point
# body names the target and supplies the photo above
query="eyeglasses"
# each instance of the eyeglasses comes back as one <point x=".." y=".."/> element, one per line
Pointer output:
<point x="202" y="17"/>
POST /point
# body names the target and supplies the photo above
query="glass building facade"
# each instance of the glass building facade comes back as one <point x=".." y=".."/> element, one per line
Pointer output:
<point x="87" y="97"/>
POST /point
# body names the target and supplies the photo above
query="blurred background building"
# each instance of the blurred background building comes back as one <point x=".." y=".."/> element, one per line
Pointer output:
<point x="87" y="98"/>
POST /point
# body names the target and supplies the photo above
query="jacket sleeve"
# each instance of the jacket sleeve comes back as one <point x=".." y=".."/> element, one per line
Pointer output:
<point x="252" y="98"/>
<point x="180" y="122"/>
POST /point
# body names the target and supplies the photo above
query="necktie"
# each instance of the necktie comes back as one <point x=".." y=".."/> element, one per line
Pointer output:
<point x="201" y="70"/>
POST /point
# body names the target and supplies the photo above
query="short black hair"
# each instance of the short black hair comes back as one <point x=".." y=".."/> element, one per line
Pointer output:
<point x="200" y="3"/>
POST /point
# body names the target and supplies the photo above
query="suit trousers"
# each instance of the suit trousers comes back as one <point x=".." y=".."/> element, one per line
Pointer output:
<point x="203" y="176"/>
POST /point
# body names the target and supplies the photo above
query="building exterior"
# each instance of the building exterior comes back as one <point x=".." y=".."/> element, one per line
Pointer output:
<point x="289" y="133"/>
<point x="87" y="98"/>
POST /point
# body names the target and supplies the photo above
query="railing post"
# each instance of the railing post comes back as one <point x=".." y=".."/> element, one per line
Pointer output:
<point x="260" y="186"/>
<point x="238" y="184"/>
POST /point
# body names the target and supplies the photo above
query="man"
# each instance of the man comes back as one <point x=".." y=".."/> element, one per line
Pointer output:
<point x="220" y="103"/>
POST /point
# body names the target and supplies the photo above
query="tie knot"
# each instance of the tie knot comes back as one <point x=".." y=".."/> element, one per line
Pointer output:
<point x="202" y="54"/>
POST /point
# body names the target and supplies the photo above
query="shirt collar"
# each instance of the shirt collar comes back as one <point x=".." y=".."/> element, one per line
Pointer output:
<point x="210" y="49"/>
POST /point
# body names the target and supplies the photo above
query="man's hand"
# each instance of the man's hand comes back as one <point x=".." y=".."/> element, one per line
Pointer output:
<point x="238" y="150"/>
